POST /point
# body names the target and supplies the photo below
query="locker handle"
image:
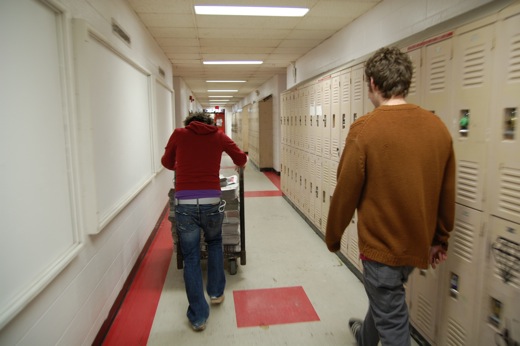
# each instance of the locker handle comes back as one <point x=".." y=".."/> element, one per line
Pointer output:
<point x="422" y="272"/>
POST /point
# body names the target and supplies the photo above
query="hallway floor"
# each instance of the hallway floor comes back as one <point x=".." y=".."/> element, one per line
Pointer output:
<point x="292" y="291"/>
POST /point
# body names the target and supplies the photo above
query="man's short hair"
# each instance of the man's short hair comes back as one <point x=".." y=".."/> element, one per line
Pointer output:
<point x="392" y="70"/>
<point x="199" y="116"/>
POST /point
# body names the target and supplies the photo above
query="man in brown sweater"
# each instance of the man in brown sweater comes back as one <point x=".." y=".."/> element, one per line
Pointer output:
<point x="398" y="170"/>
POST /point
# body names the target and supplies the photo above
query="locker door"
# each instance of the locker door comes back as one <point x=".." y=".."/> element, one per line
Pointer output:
<point x="325" y="190"/>
<point x="311" y="132"/>
<point x="335" y="120"/>
<point x="353" y="247"/>
<point x="346" y="115"/>
<point x="306" y="196"/>
<point x="357" y="93"/>
<point x="326" y="118"/>
<point x="501" y="308"/>
<point x="306" y="117"/>
<point x="461" y="286"/>
<point x="505" y="162"/>
<point x="423" y="301"/>
<point x="318" y="118"/>
<point x="283" y="168"/>
<point x="414" y="94"/>
<point x="472" y="62"/>
<point x="438" y="88"/>
<point x="318" y="188"/>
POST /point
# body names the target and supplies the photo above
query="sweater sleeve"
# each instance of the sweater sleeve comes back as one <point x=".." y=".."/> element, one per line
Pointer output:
<point x="238" y="156"/>
<point x="350" y="182"/>
<point x="169" y="156"/>
<point x="446" y="211"/>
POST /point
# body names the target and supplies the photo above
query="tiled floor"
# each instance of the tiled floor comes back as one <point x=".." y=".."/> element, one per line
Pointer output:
<point x="292" y="291"/>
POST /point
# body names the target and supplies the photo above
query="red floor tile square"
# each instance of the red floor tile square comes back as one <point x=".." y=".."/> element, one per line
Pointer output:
<point x="263" y="307"/>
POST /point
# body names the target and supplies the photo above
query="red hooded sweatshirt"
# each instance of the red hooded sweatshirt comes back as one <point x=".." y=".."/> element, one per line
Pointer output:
<point x="195" y="152"/>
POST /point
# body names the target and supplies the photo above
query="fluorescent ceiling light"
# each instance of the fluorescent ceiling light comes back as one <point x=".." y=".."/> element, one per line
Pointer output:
<point x="218" y="101"/>
<point x="252" y="11"/>
<point x="220" y="96"/>
<point x="223" y="91"/>
<point x="230" y="62"/>
<point x="225" y="81"/>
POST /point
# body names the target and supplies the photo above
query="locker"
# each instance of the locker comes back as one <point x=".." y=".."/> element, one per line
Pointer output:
<point x="307" y="193"/>
<point x="423" y="302"/>
<point x="317" y="190"/>
<point x="328" y="185"/>
<point x="461" y="284"/>
<point x="353" y="247"/>
<point x="326" y="117"/>
<point x="472" y="62"/>
<point x="311" y="133"/>
<point x="505" y="139"/>
<point x="437" y="88"/>
<point x="318" y="118"/>
<point x="346" y="115"/>
<point x="335" y="120"/>
<point x="501" y="306"/>
<point x="414" y="93"/>
<point x="357" y="91"/>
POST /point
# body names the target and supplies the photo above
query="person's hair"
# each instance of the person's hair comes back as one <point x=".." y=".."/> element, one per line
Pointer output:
<point x="200" y="116"/>
<point x="391" y="69"/>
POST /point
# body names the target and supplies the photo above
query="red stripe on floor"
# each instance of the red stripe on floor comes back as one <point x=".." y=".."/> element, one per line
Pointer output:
<point x="262" y="193"/>
<point x="274" y="177"/>
<point x="134" y="320"/>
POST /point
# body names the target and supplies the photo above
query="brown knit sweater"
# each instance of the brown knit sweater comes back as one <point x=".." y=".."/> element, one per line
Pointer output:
<point x="398" y="171"/>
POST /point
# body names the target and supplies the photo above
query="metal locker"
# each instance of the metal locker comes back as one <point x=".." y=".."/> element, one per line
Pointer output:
<point x="335" y="117"/>
<point x="353" y="247"/>
<point x="318" y="118"/>
<point x="306" y="117"/>
<point x="414" y="93"/>
<point x="438" y="87"/>
<point x="312" y="186"/>
<point x="461" y="284"/>
<point x="357" y="92"/>
<point x="311" y="133"/>
<point x="306" y="197"/>
<point x="283" y="168"/>
<point x="325" y="186"/>
<point x="317" y="190"/>
<point x="326" y="117"/>
<point x="423" y="301"/>
<point x="504" y="179"/>
<point x="501" y="308"/>
<point x="346" y="117"/>
<point x="472" y="63"/>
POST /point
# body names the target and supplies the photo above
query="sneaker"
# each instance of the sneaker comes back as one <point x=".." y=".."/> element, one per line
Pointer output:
<point x="217" y="300"/>
<point x="355" y="325"/>
<point x="199" y="327"/>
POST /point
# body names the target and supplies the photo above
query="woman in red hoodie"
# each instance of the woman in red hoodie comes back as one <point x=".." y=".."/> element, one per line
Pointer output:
<point x="194" y="153"/>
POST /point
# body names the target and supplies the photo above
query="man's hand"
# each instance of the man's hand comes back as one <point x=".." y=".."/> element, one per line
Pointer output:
<point x="437" y="255"/>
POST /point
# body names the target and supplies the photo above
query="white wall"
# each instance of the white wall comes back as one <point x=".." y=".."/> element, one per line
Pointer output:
<point x="65" y="301"/>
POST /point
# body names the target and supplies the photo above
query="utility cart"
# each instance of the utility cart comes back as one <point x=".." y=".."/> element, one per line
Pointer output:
<point x="233" y="227"/>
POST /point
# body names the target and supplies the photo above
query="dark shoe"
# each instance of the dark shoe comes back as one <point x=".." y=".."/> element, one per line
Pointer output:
<point x="199" y="327"/>
<point x="217" y="300"/>
<point x="355" y="325"/>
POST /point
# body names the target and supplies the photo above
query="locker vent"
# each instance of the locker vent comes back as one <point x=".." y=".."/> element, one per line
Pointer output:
<point x="509" y="191"/>
<point x="514" y="59"/>
<point x="345" y="91"/>
<point x="413" y="85"/>
<point x="438" y="74"/>
<point x="425" y="314"/>
<point x="335" y="94"/>
<point x="473" y="67"/>
<point x="358" y="90"/>
<point x="463" y="240"/>
<point x="456" y="334"/>
<point x="467" y="182"/>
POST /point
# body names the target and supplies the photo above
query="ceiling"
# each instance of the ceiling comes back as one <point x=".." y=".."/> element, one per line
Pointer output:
<point x="189" y="39"/>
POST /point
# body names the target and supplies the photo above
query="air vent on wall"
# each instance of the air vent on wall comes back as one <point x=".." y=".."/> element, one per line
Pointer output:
<point x="116" y="29"/>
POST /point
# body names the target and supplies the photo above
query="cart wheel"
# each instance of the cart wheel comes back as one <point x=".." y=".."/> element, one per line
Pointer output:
<point x="232" y="266"/>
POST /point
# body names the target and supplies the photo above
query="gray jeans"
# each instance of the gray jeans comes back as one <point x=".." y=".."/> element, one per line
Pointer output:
<point x="387" y="316"/>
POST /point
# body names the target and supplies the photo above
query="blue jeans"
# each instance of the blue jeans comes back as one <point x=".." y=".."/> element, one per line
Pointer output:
<point x="387" y="316"/>
<point x="191" y="219"/>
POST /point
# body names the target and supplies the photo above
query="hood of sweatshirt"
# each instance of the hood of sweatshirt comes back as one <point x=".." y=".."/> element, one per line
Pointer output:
<point x="201" y="128"/>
